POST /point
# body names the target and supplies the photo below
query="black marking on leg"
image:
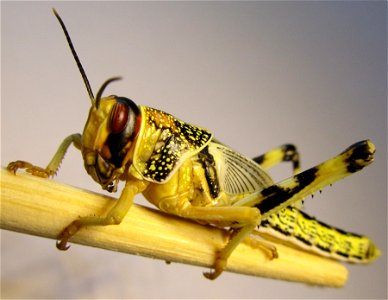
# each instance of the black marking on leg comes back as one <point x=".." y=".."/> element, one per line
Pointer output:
<point x="303" y="240"/>
<point x="348" y="233"/>
<point x="342" y="254"/>
<point x="275" y="227"/>
<point x="259" y="159"/>
<point x="291" y="154"/>
<point x="308" y="217"/>
<point x="323" y="248"/>
<point x="276" y="195"/>
<point x="343" y="232"/>
<point x="358" y="257"/>
<point x="360" y="155"/>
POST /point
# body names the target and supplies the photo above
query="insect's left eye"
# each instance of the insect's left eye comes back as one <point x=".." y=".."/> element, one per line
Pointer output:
<point x="119" y="117"/>
<point x="124" y="120"/>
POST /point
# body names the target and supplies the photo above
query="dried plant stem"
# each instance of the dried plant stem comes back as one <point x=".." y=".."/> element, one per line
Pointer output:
<point x="44" y="207"/>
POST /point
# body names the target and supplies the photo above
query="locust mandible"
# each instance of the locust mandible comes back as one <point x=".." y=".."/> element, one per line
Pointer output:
<point x="183" y="170"/>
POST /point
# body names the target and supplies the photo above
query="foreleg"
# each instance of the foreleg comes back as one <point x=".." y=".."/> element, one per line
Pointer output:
<point x="55" y="162"/>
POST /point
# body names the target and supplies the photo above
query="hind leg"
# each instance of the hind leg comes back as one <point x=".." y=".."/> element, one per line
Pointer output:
<point x="242" y="220"/>
<point x="287" y="192"/>
<point x="284" y="153"/>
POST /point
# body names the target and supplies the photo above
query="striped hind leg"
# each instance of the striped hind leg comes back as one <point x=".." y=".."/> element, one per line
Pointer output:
<point x="291" y="225"/>
<point x="284" y="153"/>
<point x="285" y="193"/>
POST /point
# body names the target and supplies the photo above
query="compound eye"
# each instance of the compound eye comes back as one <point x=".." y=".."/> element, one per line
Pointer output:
<point x="119" y="117"/>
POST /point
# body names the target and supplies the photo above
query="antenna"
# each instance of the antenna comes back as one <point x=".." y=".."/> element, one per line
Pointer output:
<point x="80" y="68"/>
<point x="102" y="88"/>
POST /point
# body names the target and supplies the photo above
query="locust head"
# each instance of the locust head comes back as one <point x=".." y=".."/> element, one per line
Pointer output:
<point x="108" y="137"/>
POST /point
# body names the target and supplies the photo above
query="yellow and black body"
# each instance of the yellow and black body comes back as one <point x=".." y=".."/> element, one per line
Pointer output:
<point x="183" y="170"/>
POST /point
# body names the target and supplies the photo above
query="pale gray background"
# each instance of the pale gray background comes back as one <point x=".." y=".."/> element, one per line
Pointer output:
<point x="257" y="74"/>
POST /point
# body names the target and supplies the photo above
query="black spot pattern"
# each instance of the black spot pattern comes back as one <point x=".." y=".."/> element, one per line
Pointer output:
<point x="177" y="139"/>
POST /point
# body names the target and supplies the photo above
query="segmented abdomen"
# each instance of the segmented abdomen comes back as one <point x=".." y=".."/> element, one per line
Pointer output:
<point x="296" y="227"/>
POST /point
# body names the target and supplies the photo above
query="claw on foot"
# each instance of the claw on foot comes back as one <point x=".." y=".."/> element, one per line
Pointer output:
<point x="29" y="168"/>
<point x="62" y="245"/>
<point x="270" y="249"/>
<point x="66" y="234"/>
<point x="211" y="275"/>
<point x="219" y="267"/>
<point x="274" y="253"/>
